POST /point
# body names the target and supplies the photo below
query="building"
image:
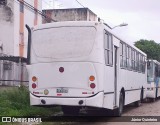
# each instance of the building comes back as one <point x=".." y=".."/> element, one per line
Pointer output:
<point x="73" y="14"/>
<point x="14" y="14"/>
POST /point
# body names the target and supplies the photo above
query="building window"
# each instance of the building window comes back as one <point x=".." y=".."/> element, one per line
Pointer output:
<point x="3" y="2"/>
<point x="108" y="46"/>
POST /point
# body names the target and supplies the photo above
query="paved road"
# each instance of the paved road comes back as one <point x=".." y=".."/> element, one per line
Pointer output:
<point x="146" y="109"/>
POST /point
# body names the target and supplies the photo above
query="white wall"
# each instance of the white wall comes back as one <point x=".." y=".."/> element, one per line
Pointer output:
<point x="7" y="27"/>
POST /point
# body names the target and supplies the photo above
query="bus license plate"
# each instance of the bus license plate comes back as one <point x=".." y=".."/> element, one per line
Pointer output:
<point x="62" y="90"/>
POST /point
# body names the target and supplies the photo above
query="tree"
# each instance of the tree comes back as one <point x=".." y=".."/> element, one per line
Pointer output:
<point x="150" y="47"/>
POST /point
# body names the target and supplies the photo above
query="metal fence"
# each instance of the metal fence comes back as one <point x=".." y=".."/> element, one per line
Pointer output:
<point x="13" y="73"/>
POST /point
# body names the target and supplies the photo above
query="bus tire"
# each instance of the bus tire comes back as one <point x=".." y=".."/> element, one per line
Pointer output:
<point x="156" y="92"/>
<point x="152" y="99"/>
<point x="70" y="110"/>
<point x="141" y="96"/>
<point x="137" y="103"/>
<point x="119" y="110"/>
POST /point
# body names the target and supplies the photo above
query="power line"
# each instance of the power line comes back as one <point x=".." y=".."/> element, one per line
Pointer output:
<point x="80" y="3"/>
<point x="36" y="10"/>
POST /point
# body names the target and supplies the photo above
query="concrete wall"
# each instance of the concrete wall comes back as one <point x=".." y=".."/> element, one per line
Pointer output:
<point x="75" y="14"/>
<point x="7" y="28"/>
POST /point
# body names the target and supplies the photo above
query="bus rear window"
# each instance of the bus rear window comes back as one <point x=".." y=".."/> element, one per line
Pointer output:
<point x="63" y="42"/>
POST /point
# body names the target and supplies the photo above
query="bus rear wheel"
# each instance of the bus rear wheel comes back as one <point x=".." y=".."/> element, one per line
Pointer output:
<point x="137" y="103"/>
<point x="70" y="110"/>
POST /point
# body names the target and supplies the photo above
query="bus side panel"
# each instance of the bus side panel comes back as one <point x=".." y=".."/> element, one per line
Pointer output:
<point x="132" y="84"/>
<point x="108" y="87"/>
<point x="105" y="83"/>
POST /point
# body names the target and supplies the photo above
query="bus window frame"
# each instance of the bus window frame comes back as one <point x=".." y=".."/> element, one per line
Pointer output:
<point x="108" y="48"/>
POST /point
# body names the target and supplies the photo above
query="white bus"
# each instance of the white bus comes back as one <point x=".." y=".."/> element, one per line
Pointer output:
<point x="153" y="79"/>
<point x="82" y="64"/>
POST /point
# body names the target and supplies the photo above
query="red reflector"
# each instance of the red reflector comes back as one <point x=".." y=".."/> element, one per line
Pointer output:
<point x="92" y="85"/>
<point x="84" y="92"/>
<point x="34" y="85"/>
<point x="35" y="92"/>
<point x="59" y="94"/>
<point x="61" y="69"/>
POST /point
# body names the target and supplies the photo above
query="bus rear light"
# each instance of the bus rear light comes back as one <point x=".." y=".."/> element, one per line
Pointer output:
<point x="36" y="93"/>
<point x="84" y="92"/>
<point x="61" y="69"/>
<point x="92" y="85"/>
<point x="46" y="92"/>
<point x="91" y="78"/>
<point x="34" y="79"/>
<point x="59" y="94"/>
<point x="34" y="85"/>
<point x="87" y="92"/>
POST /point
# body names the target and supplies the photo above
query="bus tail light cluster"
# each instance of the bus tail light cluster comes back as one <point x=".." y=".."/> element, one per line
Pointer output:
<point x="34" y="85"/>
<point x="91" y="78"/>
<point x="34" y="80"/>
<point x="92" y="85"/>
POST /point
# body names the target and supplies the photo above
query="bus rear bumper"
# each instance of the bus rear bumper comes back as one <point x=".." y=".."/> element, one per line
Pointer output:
<point x="94" y="101"/>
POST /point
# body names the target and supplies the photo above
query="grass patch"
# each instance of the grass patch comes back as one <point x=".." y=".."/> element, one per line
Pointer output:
<point x="15" y="102"/>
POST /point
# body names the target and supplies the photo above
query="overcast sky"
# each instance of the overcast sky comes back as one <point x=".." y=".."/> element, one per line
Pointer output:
<point x="142" y="16"/>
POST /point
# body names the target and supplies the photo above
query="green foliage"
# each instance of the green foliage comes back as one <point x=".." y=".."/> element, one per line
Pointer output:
<point x="150" y="47"/>
<point x="15" y="102"/>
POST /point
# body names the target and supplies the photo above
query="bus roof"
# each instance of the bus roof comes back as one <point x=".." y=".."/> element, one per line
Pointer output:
<point x="155" y="61"/>
<point x="66" y="23"/>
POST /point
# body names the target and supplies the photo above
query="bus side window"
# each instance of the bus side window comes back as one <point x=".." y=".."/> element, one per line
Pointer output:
<point x="108" y="43"/>
<point x="133" y="59"/>
<point x="143" y="64"/>
<point x="148" y="65"/>
<point x="136" y="60"/>
<point x="127" y="56"/>
<point x="124" y="56"/>
<point x="156" y="71"/>
<point x="130" y="58"/>
<point x="121" y="54"/>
